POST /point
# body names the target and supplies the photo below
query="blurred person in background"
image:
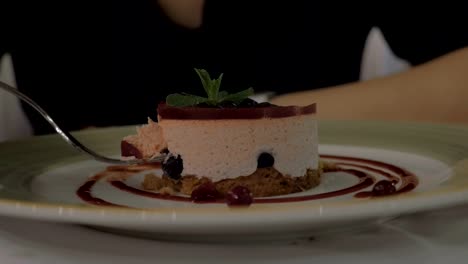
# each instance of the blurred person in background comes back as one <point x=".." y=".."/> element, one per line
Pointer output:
<point x="110" y="66"/>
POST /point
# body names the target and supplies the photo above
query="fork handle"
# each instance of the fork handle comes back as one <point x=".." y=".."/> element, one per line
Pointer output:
<point x="65" y="134"/>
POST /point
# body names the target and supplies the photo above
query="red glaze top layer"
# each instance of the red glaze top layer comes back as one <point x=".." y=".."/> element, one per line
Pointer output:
<point x="171" y="112"/>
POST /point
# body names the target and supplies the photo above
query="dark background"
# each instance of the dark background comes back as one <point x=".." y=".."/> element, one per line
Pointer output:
<point x="110" y="63"/>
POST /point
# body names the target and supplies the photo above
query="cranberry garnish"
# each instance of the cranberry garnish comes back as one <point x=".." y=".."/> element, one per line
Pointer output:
<point x="248" y="103"/>
<point x="173" y="167"/>
<point x="383" y="187"/>
<point x="239" y="195"/>
<point x="227" y="104"/>
<point x="265" y="160"/>
<point x="206" y="105"/>
<point x="205" y="192"/>
<point x="265" y="104"/>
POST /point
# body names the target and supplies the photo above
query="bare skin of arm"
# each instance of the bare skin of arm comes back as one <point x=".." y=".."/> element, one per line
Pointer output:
<point x="187" y="13"/>
<point x="433" y="92"/>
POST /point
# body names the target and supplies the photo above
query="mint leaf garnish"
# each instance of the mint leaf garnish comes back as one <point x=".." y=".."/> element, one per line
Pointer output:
<point x="215" y="86"/>
<point x="222" y="94"/>
<point x="211" y="86"/>
<point x="239" y="96"/>
<point x="184" y="100"/>
<point x="212" y="90"/>
<point x="206" y="81"/>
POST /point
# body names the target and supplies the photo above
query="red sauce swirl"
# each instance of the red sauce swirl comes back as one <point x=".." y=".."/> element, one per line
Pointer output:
<point x="359" y="168"/>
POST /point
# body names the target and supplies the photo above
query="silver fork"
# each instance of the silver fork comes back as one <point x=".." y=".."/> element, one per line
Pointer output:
<point x="72" y="140"/>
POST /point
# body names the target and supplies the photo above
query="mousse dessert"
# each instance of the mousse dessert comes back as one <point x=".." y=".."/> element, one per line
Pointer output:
<point x="228" y="145"/>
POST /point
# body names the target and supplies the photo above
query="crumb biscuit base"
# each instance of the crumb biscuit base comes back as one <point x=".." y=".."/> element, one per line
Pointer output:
<point x="263" y="182"/>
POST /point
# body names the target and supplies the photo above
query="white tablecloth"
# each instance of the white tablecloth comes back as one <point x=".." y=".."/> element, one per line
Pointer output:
<point x="432" y="237"/>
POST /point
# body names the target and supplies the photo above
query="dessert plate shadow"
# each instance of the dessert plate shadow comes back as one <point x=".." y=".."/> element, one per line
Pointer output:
<point x="44" y="179"/>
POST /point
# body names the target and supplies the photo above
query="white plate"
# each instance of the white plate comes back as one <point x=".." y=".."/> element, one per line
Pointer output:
<point x="44" y="186"/>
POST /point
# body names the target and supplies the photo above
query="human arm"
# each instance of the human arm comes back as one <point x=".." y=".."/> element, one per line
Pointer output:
<point x="187" y="13"/>
<point x="435" y="91"/>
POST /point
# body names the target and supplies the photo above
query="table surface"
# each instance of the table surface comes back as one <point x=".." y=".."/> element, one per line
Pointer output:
<point x="430" y="237"/>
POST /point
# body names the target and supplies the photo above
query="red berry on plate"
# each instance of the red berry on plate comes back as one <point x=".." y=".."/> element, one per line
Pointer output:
<point x="383" y="187"/>
<point x="205" y="192"/>
<point x="239" y="195"/>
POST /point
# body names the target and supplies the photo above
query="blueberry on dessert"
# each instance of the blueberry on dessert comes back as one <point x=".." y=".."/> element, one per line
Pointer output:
<point x="172" y="167"/>
<point x="228" y="140"/>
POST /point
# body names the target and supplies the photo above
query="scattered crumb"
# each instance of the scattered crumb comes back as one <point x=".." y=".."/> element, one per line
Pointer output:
<point x="167" y="191"/>
<point x="152" y="182"/>
<point x="118" y="176"/>
<point x="327" y="166"/>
